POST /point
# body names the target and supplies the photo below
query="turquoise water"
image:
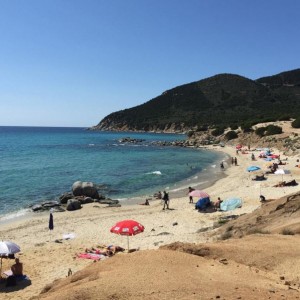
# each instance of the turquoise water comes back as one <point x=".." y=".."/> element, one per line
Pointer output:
<point x="39" y="164"/>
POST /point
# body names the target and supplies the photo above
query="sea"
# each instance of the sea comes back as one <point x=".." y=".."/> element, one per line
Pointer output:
<point x="40" y="163"/>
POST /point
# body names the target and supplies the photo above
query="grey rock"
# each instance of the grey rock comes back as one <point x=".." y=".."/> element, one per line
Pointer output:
<point x="37" y="207"/>
<point x="107" y="201"/>
<point x="65" y="197"/>
<point x="87" y="189"/>
<point x="49" y="204"/>
<point x="77" y="188"/>
<point x="86" y="200"/>
<point x="73" y="204"/>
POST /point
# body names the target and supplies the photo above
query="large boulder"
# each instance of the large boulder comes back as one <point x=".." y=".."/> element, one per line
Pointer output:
<point x="65" y="197"/>
<point x="87" y="189"/>
<point x="73" y="204"/>
<point x="77" y="188"/>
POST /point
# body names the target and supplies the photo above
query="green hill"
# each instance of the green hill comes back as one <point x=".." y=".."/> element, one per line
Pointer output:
<point x="221" y="100"/>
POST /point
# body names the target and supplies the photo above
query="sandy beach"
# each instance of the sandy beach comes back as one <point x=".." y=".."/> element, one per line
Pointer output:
<point x="46" y="260"/>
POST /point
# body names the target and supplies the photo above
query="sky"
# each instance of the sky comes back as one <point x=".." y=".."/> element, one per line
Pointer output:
<point x="70" y="63"/>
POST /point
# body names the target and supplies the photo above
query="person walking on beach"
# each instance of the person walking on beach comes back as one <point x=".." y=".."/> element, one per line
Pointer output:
<point x="166" y="200"/>
<point x="191" y="197"/>
<point x="235" y="161"/>
<point x="232" y="160"/>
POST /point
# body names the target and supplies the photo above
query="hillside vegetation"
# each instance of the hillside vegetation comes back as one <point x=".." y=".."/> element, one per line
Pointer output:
<point x="224" y="100"/>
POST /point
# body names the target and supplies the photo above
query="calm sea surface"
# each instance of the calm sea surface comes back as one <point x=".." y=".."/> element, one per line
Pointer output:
<point x="39" y="163"/>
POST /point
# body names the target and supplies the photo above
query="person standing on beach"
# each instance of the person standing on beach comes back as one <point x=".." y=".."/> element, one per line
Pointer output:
<point x="166" y="200"/>
<point x="235" y="161"/>
<point x="190" y="197"/>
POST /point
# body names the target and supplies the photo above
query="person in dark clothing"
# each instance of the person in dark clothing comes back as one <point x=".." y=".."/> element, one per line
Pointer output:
<point x="166" y="200"/>
<point x="262" y="198"/>
<point x="191" y="197"/>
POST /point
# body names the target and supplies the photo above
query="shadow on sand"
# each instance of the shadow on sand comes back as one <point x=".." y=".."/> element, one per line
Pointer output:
<point x="19" y="286"/>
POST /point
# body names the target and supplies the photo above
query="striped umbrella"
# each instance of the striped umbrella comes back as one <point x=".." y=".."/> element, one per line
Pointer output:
<point x="198" y="193"/>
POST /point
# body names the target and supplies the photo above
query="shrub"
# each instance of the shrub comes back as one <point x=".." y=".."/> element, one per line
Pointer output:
<point x="287" y="231"/>
<point x="202" y="128"/>
<point x="246" y="127"/>
<point x="296" y="123"/>
<point x="273" y="129"/>
<point x="225" y="236"/>
<point x="284" y="118"/>
<point x="260" y="131"/>
<point x="230" y="135"/>
<point x="217" y="131"/>
<point x="233" y="127"/>
<point x="259" y="231"/>
<point x="190" y="133"/>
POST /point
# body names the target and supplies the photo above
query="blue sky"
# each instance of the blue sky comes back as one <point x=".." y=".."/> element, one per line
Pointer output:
<point x="72" y="62"/>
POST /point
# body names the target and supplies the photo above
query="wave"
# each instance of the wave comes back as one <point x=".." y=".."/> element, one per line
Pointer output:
<point x="155" y="173"/>
<point x="17" y="214"/>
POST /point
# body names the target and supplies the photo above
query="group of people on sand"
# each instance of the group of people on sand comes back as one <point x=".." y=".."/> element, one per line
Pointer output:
<point x="106" y="251"/>
<point x="234" y="161"/>
<point x="216" y="205"/>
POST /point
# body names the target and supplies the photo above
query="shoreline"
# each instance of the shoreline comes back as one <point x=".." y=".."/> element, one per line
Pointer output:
<point x="91" y="225"/>
<point x="177" y="189"/>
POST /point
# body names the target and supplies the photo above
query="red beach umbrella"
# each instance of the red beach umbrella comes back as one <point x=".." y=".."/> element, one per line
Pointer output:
<point x="127" y="227"/>
<point x="238" y="146"/>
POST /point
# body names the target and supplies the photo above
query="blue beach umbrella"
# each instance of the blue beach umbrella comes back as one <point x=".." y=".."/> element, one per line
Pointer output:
<point x="253" y="168"/>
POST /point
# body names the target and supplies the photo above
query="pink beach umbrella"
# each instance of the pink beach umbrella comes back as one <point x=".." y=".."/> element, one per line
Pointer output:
<point x="198" y="193"/>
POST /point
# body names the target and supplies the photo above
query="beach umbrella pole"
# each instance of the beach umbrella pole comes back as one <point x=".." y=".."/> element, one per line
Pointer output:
<point x="128" y="243"/>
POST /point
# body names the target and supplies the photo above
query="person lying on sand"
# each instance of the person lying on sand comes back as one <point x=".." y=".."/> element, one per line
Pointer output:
<point x="108" y="251"/>
<point x="105" y="252"/>
<point x="115" y="249"/>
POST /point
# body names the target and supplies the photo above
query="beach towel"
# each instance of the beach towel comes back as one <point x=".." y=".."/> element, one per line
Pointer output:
<point x="92" y="256"/>
<point x="231" y="204"/>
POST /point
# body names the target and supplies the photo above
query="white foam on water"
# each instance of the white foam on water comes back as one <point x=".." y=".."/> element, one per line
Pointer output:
<point x="15" y="215"/>
<point x="155" y="173"/>
<point x="213" y="166"/>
